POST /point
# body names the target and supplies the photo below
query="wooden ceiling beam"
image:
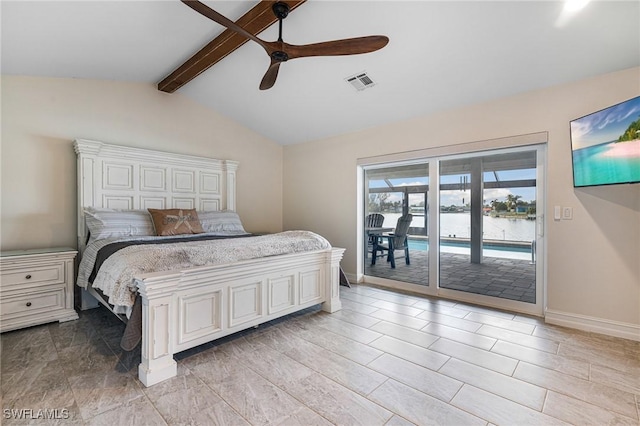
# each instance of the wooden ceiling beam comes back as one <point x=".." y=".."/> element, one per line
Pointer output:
<point x="259" y="18"/>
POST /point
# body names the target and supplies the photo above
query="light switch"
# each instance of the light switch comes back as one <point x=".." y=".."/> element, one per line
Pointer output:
<point x="567" y="213"/>
<point x="557" y="212"/>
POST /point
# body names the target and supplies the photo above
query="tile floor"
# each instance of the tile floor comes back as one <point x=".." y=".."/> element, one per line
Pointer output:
<point x="513" y="279"/>
<point x="385" y="359"/>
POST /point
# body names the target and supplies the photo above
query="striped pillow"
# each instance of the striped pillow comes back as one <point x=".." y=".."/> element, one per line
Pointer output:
<point x="223" y="223"/>
<point x="109" y="223"/>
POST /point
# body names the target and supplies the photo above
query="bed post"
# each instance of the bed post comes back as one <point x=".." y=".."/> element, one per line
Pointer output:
<point x="86" y="152"/>
<point x="158" y="329"/>
<point x="332" y="296"/>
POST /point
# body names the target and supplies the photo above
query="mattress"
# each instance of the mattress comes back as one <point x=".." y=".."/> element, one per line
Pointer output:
<point x="112" y="264"/>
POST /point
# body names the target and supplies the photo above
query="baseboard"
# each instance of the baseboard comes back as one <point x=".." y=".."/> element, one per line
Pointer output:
<point x="596" y="325"/>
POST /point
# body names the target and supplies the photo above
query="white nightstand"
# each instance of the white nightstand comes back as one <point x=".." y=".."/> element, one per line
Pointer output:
<point x="36" y="286"/>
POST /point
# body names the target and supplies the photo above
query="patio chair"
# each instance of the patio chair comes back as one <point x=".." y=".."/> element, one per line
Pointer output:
<point x="396" y="241"/>
<point x="373" y="220"/>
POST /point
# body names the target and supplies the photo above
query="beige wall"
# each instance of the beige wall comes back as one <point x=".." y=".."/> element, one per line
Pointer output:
<point x="42" y="116"/>
<point x="593" y="261"/>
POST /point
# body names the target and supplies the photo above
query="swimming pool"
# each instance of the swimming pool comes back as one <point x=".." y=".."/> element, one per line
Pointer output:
<point x="508" y="251"/>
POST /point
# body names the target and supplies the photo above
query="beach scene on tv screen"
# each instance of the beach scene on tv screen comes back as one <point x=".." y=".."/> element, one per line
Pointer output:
<point x="606" y="145"/>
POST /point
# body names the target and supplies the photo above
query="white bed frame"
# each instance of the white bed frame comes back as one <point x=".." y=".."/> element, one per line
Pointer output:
<point x="186" y="308"/>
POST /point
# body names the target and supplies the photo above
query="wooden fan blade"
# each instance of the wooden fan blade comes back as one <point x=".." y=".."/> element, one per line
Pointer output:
<point x="270" y="76"/>
<point x="225" y="22"/>
<point x="348" y="46"/>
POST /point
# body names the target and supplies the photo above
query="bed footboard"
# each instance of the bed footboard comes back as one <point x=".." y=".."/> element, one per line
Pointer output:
<point x="184" y="309"/>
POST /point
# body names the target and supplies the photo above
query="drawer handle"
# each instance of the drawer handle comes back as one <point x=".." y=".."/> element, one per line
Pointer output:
<point x="28" y="303"/>
<point x="28" y="277"/>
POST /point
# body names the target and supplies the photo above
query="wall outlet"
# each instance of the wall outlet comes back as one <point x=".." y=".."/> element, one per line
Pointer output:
<point x="567" y="213"/>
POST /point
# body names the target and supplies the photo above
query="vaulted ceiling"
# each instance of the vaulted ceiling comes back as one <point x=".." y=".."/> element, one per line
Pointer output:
<point x="441" y="54"/>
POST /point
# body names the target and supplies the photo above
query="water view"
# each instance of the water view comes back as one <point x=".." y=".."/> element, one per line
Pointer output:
<point x="503" y="185"/>
<point x="458" y="225"/>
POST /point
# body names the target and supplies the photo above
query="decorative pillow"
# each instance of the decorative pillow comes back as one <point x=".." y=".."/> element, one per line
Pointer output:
<point x="176" y="221"/>
<point x="108" y="223"/>
<point x="224" y="222"/>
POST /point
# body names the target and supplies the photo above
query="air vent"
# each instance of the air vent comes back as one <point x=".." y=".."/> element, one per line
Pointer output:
<point x="360" y="81"/>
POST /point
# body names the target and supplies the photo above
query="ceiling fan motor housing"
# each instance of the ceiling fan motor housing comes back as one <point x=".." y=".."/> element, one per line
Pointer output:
<point x="279" y="56"/>
<point x="280" y="9"/>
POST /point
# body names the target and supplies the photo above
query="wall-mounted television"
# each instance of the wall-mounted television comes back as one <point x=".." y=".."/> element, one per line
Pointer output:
<point x="605" y="146"/>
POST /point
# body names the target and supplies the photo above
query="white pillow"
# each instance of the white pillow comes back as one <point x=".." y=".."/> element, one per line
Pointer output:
<point x="221" y="222"/>
<point x="108" y="223"/>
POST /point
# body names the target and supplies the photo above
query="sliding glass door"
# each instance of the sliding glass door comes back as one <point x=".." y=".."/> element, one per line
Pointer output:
<point x="488" y="225"/>
<point x="396" y="192"/>
<point x="485" y="241"/>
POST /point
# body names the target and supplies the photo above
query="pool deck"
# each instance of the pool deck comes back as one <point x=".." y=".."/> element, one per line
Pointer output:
<point x="499" y="277"/>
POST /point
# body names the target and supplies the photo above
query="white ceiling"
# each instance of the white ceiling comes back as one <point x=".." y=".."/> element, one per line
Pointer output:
<point x="441" y="55"/>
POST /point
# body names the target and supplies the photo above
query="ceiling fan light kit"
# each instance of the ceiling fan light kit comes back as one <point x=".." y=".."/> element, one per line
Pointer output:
<point x="279" y="51"/>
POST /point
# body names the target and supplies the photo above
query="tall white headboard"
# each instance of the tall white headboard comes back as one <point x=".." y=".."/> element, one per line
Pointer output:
<point x="120" y="177"/>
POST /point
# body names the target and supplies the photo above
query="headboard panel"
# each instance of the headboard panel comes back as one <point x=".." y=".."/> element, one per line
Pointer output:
<point x="119" y="177"/>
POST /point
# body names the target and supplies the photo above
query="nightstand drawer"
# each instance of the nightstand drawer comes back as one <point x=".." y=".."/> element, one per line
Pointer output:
<point x="36" y="287"/>
<point x="36" y="275"/>
<point x="32" y="303"/>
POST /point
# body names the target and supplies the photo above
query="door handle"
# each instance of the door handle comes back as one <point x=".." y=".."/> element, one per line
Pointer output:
<point x="540" y="225"/>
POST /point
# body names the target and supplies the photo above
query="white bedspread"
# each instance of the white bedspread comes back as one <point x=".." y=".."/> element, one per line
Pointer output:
<point x="115" y="277"/>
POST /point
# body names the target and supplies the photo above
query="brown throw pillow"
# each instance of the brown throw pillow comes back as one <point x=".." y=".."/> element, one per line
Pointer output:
<point x="176" y="221"/>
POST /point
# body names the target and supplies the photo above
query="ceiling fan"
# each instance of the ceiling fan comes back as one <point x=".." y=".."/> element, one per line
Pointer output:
<point x="279" y="51"/>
